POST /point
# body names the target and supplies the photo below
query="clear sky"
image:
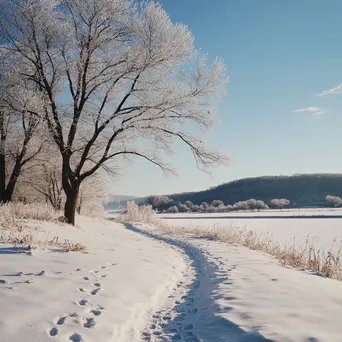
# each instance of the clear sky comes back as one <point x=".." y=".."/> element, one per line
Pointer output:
<point x="282" y="112"/>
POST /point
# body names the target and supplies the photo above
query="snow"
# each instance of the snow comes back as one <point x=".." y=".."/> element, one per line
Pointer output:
<point x="322" y="225"/>
<point x="103" y="295"/>
<point x="136" y="283"/>
<point x="241" y="295"/>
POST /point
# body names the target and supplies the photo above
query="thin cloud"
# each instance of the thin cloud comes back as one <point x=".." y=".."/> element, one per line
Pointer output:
<point x="331" y="91"/>
<point x="320" y="112"/>
<point x="309" y="110"/>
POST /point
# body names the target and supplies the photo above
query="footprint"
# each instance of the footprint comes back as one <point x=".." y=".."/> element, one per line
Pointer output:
<point x="89" y="323"/>
<point x="104" y="275"/>
<point x="103" y="266"/>
<point x="94" y="292"/>
<point x="96" y="312"/>
<point x="53" y="332"/>
<point x="86" y="278"/>
<point x="3" y="281"/>
<point x="61" y="320"/>
<point x="83" y="302"/>
<point x="75" y="338"/>
<point x="97" y="284"/>
<point x="96" y="271"/>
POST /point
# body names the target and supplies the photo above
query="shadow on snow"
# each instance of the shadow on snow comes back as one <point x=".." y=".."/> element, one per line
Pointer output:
<point x="199" y="308"/>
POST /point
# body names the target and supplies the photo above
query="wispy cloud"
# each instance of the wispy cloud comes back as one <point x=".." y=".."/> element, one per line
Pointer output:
<point x="320" y="112"/>
<point x="314" y="110"/>
<point x="331" y="91"/>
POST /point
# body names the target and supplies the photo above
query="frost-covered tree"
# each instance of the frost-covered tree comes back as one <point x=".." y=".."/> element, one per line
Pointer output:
<point x="159" y="201"/>
<point x="204" y="205"/>
<point x="250" y="204"/>
<point x="195" y="208"/>
<point x="92" y="196"/>
<point x="42" y="183"/>
<point x="279" y="203"/>
<point x="18" y="125"/>
<point x="173" y="209"/>
<point x="189" y="204"/>
<point x="217" y="203"/>
<point x="117" y="79"/>
<point x="256" y="204"/>
<point x="183" y="208"/>
<point x="333" y="201"/>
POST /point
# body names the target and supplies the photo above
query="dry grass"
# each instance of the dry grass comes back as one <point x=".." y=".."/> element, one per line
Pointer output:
<point x="67" y="245"/>
<point x="29" y="242"/>
<point x="12" y="213"/>
<point x="305" y="256"/>
<point x="134" y="213"/>
<point x="14" y="231"/>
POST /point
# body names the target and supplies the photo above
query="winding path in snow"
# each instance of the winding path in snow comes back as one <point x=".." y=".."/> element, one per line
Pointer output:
<point x="190" y="312"/>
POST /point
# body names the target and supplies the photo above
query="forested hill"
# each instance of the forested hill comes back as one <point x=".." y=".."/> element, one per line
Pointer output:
<point x="302" y="190"/>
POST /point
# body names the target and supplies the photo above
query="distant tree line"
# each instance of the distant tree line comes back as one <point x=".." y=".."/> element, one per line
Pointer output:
<point x="303" y="190"/>
<point x="168" y="205"/>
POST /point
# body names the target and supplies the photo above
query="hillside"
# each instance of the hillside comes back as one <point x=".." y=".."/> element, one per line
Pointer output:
<point x="302" y="190"/>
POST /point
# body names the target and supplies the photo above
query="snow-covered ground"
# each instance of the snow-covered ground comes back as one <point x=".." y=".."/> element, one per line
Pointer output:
<point x="104" y="295"/>
<point x="138" y="284"/>
<point x="322" y="225"/>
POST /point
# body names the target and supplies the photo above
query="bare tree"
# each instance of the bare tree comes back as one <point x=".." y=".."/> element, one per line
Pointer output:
<point x="93" y="195"/>
<point x="18" y="124"/>
<point x="118" y="80"/>
<point x="42" y="183"/>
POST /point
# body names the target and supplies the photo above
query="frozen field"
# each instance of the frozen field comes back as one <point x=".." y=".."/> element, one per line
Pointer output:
<point x="323" y="225"/>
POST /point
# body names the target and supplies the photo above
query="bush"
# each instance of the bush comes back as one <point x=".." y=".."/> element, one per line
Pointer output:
<point x="189" y="204"/>
<point x="173" y="209"/>
<point x="250" y="204"/>
<point x="159" y="202"/>
<point x="11" y="212"/>
<point x="217" y="203"/>
<point x="333" y="201"/>
<point x="183" y="208"/>
<point x="136" y="213"/>
<point x="279" y="203"/>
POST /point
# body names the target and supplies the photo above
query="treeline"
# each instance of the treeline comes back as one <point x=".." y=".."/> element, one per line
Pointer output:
<point x="168" y="205"/>
<point x="303" y="190"/>
<point x="165" y="204"/>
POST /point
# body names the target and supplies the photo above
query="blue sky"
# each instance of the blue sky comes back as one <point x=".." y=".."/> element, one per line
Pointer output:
<point x="282" y="112"/>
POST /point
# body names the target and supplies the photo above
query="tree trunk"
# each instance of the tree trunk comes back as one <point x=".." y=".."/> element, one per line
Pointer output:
<point x="2" y="176"/>
<point x="70" y="205"/>
<point x="7" y="195"/>
<point x="9" y="189"/>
